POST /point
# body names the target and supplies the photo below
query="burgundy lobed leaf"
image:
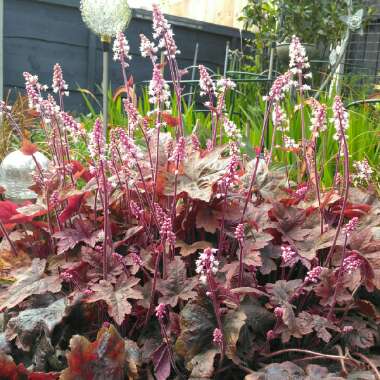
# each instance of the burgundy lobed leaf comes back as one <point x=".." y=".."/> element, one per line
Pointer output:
<point x="116" y="297"/>
<point x="176" y="286"/>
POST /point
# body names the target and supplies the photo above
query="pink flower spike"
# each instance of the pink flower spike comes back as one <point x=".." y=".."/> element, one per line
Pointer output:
<point x="239" y="233"/>
<point x="195" y="142"/>
<point x="340" y="118"/>
<point x="179" y="152"/>
<point x="161" y="311"/>
<point x="163" y="31"/>
<point x="313" y="275"/>
<point x="299" y="61"/>
<point x="207" y="264"/>
<point x="59" y="85"/>
<point x="280" y="86"/>
<point x="147" y="48"/>
<point x="352" y="263"/>
<point x="351" y="226"/>
<point x="318" y="118"/>
<point x="205" y="82"/>
<point x="287" y="253"/>
<point x="217" y="336"/>
<point x="158" y="88"/>
<point x="278" y="312"/>
<point x="97" y="145"/>
<point x="121" y="50"/>
<point x="167" y="233"/>
<point x="132" y="113"/>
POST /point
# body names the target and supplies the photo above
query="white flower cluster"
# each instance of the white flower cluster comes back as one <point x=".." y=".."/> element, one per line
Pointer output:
<point x="363" y="173"/>
<point x="318" y="118"/>
<point x="340" y="118"/>
<point x="225" y="84"/>
<point x="121" y="50"/>
<point x="106" y="17"/>
<point x="298" y="58"/>
<point x="159" y="90"/>
<point x="289" y="143"/>
<point x="231" y="129"/>
<point x="207" y="264"/>
<point x="148" y="48"/>
<point x="279" y="118"/>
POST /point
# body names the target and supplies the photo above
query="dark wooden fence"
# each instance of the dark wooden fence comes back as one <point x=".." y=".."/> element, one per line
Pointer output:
<point x="39" y="33"/>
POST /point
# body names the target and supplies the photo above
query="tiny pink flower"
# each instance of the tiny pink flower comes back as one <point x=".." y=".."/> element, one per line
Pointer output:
<point x="280" y="86"/>
<point x="301" y="192"/>
<point x="158" y="88"/>
<point x="313" y="275"/>
<point x="347" y="329"/>
<point x="278" y="312"/>
<point x="161" y="311"/>
<point x="207" y="264"/>
<point x="195" y="142"/>
<point x="121" y="50"/>
<point x="270" y="335"/>
<point x="217" y="336"/>
<point x="132" y="113"/>
<point x="205" y="82"/>
<point x="287" y="254"/>
<point x="179" y="152"/>
<point x="352" y="263"/>
<point x="363" y="173"/>
<point x="299" y="61"/>
<point x="167" y="233"/>
<point x="136" y="259"/>
<point x="340" y="118"/>
<point x="59" y="85"/>
<point x="351" y="226"/>
<point x="239" y="233"/>
<point x="147" y="48"/>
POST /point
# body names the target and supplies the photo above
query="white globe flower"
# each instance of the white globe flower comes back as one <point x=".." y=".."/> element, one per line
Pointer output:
<point x="106" y="18"/>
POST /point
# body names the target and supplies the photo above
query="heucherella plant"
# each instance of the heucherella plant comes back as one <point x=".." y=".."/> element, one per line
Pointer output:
<point x="207" y="262"/>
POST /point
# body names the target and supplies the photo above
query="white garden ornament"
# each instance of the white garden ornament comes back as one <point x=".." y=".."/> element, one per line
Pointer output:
<point x="16" y="174"/>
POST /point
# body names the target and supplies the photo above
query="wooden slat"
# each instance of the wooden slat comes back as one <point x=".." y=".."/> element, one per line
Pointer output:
<point x="39" y="33"/>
